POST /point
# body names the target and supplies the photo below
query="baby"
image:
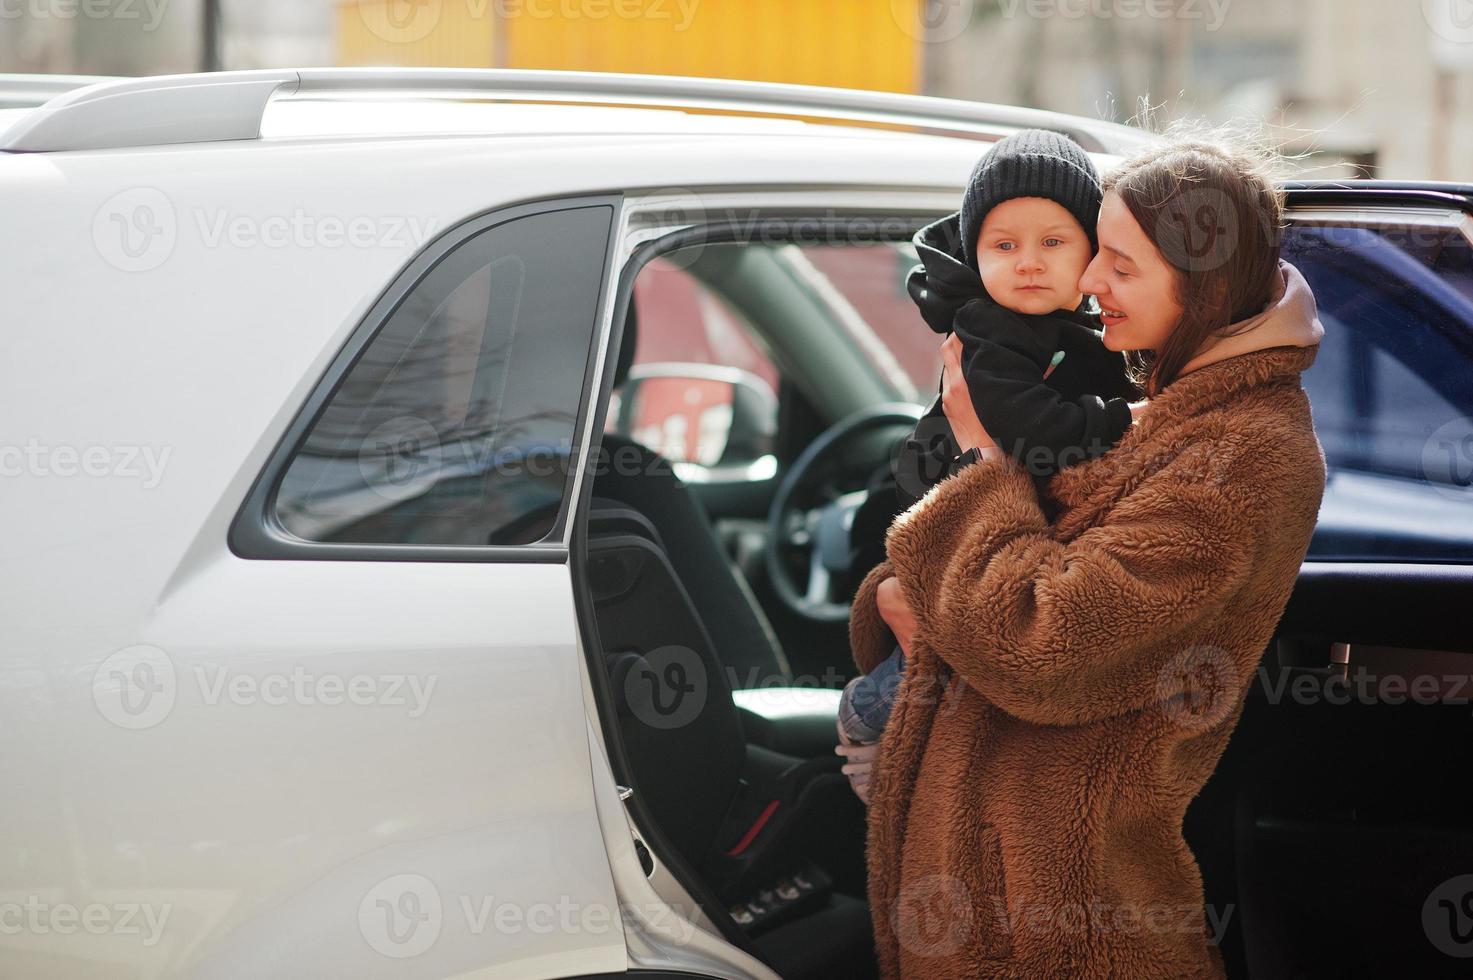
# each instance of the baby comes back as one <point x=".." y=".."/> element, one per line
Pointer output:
<point x="1003" y="274"/>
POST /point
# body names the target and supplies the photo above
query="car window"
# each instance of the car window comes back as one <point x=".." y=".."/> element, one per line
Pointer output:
<point x="691" y="346"/>
<point x="455" y="425"/>
<point x="871" y="278"/>
<point x="1390" y="389"/>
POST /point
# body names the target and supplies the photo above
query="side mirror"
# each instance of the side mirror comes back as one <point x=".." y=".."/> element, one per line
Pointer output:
<point x="716" y="424"/>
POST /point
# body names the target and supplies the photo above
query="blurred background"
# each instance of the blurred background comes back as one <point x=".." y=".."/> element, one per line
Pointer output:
<point x="1380" y="88"/>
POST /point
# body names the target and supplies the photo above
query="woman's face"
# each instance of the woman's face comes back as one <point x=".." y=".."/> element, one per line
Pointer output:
<point x="1135" y="286"/>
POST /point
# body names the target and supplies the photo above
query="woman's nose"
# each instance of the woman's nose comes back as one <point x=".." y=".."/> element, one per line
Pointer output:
<point x="1090" y="282"/>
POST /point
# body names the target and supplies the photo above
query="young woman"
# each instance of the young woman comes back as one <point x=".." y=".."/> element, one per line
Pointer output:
<point x="1076" y="672"/>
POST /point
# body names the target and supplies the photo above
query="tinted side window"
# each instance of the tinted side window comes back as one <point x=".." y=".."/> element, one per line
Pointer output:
<point x="456" y="424"/>
<point x="1391" y="390"/>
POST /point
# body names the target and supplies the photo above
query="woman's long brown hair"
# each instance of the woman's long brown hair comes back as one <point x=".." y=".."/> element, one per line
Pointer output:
<point x="1209" y="203"/>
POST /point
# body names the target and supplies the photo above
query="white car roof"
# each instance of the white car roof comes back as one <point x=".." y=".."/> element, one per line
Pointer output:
<point x="327" y="102"/>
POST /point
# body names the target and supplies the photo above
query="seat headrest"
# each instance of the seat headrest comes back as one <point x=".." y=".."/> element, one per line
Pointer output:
<point x="627" y="344"/>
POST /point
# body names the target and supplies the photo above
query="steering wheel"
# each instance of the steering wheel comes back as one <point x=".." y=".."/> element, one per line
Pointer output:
<point x="809" y="525"/>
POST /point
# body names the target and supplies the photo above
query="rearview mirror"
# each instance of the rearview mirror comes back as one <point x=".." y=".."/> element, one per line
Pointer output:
<point x="714" y="423"/>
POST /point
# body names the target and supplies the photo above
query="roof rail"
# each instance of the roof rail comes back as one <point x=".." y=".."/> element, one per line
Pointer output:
<point x="27" y="91"/>
<point x="229" y="105"/>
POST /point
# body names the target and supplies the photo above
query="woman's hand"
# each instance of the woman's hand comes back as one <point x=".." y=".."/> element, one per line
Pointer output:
<point x="896" y="612"/>
<point x="956" y="402"/>
<point x="859" y="765"/>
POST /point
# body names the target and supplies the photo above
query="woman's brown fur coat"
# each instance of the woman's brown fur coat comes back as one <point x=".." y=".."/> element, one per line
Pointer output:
<point x="1074" y="680"/>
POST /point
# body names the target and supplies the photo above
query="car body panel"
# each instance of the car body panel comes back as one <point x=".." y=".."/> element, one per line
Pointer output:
<point x="314" y="751"/>
<point x="151" y="382"/>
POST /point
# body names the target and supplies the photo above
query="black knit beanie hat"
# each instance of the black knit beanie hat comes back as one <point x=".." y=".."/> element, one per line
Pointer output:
<point x="1031" y="163"/>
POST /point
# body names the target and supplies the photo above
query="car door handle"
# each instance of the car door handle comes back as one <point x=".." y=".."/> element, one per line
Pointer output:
<point x="1442" y="675"/>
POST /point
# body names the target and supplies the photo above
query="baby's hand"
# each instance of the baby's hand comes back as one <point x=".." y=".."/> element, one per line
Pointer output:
<point x="860" y="763"/>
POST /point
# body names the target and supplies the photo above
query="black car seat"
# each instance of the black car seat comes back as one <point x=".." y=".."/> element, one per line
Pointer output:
<point x="749" y="821"/>
<point x="761" y="830"/>
<point x="626" y="471"/>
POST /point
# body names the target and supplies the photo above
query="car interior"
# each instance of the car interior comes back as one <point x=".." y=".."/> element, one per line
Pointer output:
<point x="1320" y="833"/>
<point x="749" y="799"/>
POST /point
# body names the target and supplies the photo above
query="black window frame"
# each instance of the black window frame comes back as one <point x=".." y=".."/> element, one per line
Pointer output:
<point x="257" y="533"/>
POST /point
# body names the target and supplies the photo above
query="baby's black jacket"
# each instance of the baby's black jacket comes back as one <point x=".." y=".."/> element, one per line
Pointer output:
<point x="1080" y="411"/>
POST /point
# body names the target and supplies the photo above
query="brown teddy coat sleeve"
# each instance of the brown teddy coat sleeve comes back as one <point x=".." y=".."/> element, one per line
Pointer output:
<point x="1068" y="632"/>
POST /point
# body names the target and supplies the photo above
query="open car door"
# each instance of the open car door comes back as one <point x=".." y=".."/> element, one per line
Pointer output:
<point x="1336" y="837"/>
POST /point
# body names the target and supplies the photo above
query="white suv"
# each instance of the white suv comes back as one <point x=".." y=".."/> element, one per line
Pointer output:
<point x="344" y="630"/>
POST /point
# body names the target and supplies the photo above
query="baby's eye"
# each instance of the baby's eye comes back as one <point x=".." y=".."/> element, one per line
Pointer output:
<point x="1053" y="241"/>
<point x="1005" y="246"/>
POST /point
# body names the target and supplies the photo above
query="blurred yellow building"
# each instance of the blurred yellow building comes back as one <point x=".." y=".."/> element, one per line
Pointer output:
<point x="870" y="44"/>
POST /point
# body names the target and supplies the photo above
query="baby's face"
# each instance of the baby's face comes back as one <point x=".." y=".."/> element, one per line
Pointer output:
<point x="1031" y="252"/>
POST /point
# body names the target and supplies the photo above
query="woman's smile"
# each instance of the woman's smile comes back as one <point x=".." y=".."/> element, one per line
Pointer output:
<point x="1128" y="271"/>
